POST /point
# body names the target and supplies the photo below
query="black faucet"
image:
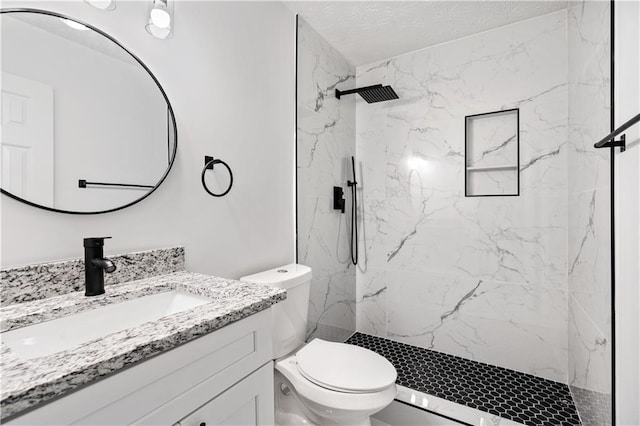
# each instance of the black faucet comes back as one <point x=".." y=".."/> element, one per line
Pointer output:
<point x="94" y="265"/>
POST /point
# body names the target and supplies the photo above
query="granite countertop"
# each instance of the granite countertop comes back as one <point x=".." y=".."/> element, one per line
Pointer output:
<point x="29" y="382"/>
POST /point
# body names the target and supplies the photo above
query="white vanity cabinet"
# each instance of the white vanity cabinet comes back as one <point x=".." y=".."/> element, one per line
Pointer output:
<point x="224" y="377"/>
<point x="249" y="402"/>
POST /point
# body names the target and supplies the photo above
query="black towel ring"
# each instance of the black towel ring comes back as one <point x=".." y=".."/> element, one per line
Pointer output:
<point x="208" y="165"/>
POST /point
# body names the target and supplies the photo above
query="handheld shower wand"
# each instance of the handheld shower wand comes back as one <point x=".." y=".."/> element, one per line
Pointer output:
<point x="354" y="213"/>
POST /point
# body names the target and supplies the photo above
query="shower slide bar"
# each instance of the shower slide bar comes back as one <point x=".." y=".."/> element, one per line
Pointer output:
<point x="608" y="142"/>
<point x="83" y="184"/>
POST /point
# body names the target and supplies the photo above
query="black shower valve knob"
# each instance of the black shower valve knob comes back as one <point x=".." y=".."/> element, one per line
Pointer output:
<point x="338" y="199"/>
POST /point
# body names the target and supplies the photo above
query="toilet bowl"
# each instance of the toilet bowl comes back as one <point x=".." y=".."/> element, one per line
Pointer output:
<point x="333" y="384"/>
<point x="320" y="383"/>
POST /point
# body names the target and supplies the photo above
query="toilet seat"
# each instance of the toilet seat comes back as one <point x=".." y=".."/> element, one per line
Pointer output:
<point x="345" y="368"/>
<point x="321" y="399"/>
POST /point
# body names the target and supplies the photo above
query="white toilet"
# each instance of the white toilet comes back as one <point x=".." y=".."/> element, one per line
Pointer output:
<point x="320" y="383"/>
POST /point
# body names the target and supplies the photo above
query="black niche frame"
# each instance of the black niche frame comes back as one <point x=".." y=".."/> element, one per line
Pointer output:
<point x="517" y="165"/>
<point x="170" y="115"/>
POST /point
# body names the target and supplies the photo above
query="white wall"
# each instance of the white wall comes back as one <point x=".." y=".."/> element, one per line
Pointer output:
<point x="627" y="193"/>
<point x="229" y="74"/>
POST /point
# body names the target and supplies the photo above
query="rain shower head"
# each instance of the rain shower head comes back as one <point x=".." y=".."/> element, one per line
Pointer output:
<point x="372" y="94"/>
<point x="378" y="94"/>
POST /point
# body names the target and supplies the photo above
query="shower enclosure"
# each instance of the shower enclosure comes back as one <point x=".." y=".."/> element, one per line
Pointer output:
<point x="522" y="281"/>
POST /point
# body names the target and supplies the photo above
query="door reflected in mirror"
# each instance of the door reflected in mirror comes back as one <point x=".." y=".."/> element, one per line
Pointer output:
<point x="86" y="128"/>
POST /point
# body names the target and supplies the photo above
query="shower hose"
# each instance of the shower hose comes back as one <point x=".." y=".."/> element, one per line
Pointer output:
<point x="354" y="210"/>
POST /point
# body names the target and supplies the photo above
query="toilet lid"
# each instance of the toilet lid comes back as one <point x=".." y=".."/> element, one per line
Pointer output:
<point x="345" y="368"/>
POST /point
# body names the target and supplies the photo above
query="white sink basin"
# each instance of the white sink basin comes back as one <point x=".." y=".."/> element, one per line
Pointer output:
<point x="64" y="333"/>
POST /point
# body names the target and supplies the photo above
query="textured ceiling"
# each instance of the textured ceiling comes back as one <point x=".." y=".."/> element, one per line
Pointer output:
<point x="368" y="31"/>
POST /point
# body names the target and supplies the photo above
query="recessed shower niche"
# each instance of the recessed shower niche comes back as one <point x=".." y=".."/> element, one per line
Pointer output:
<point x="492" y="154"/>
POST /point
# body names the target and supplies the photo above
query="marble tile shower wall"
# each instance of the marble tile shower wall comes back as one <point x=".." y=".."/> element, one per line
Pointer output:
<point x="482" y="278"/>
<point x="589" y="252"/>
<point x="325" y="144"/>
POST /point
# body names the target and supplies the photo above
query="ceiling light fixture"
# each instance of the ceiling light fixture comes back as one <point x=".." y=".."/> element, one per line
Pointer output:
<point x="160" y="23"/>
<point x="102" y="4"/>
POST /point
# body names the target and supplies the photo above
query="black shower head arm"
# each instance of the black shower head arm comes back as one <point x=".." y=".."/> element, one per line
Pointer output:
<point x="358" y="90"/>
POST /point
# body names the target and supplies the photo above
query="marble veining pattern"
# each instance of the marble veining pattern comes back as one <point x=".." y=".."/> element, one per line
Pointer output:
<point x="483" y="278"/>
<point x="589" y="243"/>
<point x="26" y="283"/>
<point x="325" y="144"/>
<point x="26" y="383"/>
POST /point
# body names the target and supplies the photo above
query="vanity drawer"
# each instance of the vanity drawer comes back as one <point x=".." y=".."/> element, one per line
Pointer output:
<point x="220" y="358"/>
<point x="249" y="403"/>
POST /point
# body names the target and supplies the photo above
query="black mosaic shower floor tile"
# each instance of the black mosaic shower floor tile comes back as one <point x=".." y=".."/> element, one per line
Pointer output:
<point x="499" y="391"/>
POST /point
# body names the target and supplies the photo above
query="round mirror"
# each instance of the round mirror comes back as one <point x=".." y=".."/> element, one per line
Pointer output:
<point x="86" y="127"/>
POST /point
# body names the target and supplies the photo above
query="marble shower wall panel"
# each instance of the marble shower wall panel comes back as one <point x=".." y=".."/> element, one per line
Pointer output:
<point x="589" y="243"/>
<point x="325" y="144"/>
<point x="589" y="180"/>
<point x="481" y="278"/>
<point x="467" y="317"/>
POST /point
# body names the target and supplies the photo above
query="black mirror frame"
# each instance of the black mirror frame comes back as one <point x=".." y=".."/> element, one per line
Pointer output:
<point x="153" y="77"/>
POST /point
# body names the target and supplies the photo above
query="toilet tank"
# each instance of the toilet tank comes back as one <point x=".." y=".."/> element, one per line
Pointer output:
<point x="290" y="315"/>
